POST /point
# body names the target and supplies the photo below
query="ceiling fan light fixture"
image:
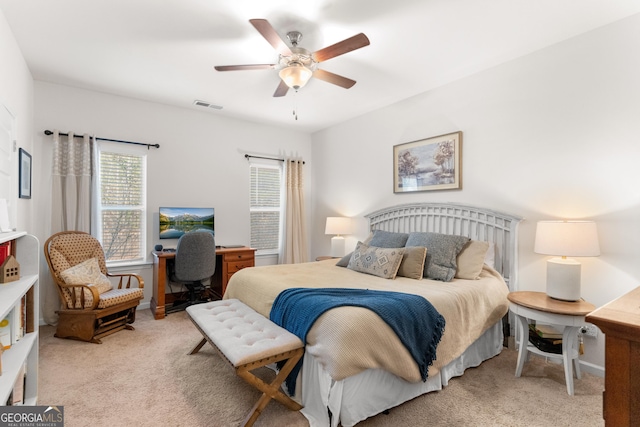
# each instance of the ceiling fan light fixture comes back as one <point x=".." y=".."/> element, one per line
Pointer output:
<point x="295" y="75"/>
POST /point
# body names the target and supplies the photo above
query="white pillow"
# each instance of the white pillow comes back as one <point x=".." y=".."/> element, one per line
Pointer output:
<point x="87" y="272"/>
<point x="490" y="257"/>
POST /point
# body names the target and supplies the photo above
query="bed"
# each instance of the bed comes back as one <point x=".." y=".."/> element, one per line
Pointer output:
<point x="354" y="365"/>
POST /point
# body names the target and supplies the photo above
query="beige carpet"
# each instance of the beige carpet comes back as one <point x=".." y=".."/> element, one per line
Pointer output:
<point x="146" y="378"/>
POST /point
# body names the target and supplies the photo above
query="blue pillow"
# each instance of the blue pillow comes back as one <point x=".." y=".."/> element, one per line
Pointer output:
<point x="388" y="239"/>
<point x="442" y="252"/>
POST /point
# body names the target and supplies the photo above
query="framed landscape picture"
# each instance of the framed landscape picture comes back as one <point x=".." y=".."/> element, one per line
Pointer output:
<point x="428" y="164"/>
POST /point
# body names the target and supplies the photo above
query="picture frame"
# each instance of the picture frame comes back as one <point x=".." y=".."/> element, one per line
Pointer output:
<point x="428" y="164"/>
<point x="25" y="174"/>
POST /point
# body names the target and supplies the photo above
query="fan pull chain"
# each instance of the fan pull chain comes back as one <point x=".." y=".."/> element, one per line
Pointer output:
<point x="295" y="107"/>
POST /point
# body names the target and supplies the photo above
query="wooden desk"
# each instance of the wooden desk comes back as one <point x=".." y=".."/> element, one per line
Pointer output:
<point x="228" y="262"/>
<point x="620" y="323"/>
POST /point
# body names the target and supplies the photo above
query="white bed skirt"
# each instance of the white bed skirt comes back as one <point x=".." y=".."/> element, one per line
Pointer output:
<point x="370" y="392"/>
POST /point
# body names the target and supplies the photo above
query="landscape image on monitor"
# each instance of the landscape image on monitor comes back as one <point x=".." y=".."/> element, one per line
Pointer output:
<point x="174" y="222"/>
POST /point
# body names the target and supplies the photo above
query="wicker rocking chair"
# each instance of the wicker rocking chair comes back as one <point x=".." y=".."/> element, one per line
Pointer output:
<point x="91" y="308"/>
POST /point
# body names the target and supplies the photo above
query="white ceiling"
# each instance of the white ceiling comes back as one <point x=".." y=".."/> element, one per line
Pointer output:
<point x="165" y="51"/>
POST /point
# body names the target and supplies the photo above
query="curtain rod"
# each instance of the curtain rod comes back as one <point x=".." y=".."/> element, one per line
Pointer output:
<point x="48" y="132"/>
<point x="247" y="156"/>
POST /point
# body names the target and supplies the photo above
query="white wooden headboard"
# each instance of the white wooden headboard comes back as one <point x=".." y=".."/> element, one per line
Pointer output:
<point x="477" y="223"/>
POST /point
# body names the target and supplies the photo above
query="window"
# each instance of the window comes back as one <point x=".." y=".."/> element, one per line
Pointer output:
<point x="266" y="207"/>
<point x="121" y="203"/>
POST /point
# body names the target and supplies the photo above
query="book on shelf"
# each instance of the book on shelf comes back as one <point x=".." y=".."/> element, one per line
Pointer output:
<point x="5" y="251"/>
<point x="19" y="320"/>
<point x="17" y="395"/>
<point x="547" y="331"/>
<point x="548" y="345"/>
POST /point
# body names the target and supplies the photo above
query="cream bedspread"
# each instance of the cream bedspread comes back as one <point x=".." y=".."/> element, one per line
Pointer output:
<point x="348" y="340"/>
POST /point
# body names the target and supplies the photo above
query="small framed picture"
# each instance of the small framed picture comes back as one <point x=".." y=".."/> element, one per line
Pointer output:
<point x="25" y="175"/>
<point x="428" y="164"/>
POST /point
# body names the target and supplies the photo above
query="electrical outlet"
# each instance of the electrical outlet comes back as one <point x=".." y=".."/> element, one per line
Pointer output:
<point x="589" y="330"/>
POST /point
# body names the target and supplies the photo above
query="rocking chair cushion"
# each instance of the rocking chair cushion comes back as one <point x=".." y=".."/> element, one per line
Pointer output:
<point x="118" y="296"/>
<point x="87" y="272"/>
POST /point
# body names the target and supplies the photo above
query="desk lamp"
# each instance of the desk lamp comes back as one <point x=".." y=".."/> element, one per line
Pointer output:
<point x="565" y="239"/>
<point x="338" y="226"/>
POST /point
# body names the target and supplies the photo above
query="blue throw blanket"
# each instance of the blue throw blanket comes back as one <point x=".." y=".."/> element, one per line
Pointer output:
<point x="417" y="323"/>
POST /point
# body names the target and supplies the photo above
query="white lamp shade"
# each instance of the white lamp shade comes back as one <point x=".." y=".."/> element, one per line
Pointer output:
<point x="338" y="225"/>
<point x="567" y="238"/>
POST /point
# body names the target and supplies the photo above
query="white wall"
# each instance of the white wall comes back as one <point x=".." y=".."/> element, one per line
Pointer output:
<point x="551" y="135"/>
<point x="555" y="134"/>
<point x="16" y="93"/>
<point x="200" y="161"/>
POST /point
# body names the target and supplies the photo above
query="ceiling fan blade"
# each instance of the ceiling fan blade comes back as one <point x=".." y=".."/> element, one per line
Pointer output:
<point x="333" y="78"/>
<point x="244" y="67"/>
<point x="281" y="90"/>
<point x="340" y="48"/>
<point x="267" y="31"/>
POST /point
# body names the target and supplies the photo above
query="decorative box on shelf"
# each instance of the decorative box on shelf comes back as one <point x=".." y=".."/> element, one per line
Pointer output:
<point x="9" y="270"/>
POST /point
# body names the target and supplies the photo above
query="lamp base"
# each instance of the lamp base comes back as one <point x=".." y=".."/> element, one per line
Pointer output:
<point x="563" y="279"/>
<point x="337" y="246"/>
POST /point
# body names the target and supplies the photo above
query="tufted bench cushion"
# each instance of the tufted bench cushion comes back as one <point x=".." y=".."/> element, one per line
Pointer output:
<point x="242" y="334"/>
<point x="248" y="340"/>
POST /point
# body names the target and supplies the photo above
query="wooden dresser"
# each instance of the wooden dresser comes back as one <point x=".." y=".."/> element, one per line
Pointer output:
<point x="234" y="261"/>
<point x="620" y="322"/>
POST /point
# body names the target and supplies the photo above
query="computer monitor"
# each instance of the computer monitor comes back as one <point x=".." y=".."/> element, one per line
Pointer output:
<point x="174" y="222"/>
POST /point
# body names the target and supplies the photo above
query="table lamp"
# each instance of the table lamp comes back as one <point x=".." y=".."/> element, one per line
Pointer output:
<point x="337" y="225"/>
<point x="565" y="239"/>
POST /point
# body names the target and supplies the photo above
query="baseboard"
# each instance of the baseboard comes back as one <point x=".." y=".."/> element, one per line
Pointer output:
<point x="144" y="305"/>
<point x="591" y="368"/>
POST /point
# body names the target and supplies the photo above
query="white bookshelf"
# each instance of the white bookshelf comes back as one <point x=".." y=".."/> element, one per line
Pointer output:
<point x="24" y="352"/>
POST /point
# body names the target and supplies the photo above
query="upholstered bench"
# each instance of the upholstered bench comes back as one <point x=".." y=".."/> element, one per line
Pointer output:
<point x="247" y="341"/>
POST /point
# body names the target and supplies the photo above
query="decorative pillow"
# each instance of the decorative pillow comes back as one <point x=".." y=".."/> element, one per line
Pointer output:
<point x="442" y="251"/>
<point x="344" y="261"/>
<point x="471" y="259"/>
<point x="388" y="239"/>
<point x="412" y="265"/>
<point x="381" y="262"/>
<point x="490" y="257"/>
<point x="87" y="272"/>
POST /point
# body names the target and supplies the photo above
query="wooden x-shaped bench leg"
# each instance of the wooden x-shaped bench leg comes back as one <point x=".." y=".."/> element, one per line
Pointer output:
<point x="272" y="390"/>
<point x="269" y="391"/>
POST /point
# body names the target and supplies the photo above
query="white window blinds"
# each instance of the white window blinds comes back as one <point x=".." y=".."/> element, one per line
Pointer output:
<point x="121" y="204"/>
<point x="266" y="207"/>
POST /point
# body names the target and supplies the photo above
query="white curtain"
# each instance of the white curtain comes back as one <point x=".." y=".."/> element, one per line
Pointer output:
<point x="70" y="197"/>
<point x="294" y="247"/>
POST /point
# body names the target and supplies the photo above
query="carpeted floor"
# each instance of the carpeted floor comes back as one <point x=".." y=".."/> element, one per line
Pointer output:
<point x="146" y="378"/>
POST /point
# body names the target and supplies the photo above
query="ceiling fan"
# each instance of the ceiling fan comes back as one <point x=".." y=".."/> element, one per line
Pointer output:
<point x="297" y="65"/>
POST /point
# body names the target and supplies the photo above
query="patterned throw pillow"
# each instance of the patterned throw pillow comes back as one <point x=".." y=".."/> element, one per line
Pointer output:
<point x="381" y="262"/>
<point x="442" y="253"/>
<point x="87" y="272"/>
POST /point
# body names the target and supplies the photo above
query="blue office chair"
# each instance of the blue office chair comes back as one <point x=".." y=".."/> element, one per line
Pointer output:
<point x="195" y="262"/>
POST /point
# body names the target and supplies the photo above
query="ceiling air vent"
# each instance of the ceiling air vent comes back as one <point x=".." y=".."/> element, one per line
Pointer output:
<point x="207" y="105"/>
